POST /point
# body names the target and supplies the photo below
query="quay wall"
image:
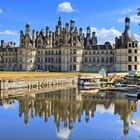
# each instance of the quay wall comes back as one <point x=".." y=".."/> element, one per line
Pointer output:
<point x="38" y="83"/>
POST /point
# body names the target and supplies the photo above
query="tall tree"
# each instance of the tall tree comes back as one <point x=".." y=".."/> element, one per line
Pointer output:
<point x="138" y="12"/>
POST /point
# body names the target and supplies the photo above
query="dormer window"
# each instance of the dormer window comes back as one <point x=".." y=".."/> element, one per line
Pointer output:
<point x="130" y="45"/>
<point x="136" y="45"/>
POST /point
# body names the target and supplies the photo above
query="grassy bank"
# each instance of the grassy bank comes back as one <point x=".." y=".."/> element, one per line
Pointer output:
<point x="33" y="75"/>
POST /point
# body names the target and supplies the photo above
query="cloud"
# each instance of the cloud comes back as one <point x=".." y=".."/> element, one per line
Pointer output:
<point x="65" y="7"/>
<point x="133" y="18"/>
<point x="123" y="12"/>
<point x="9" y="33"/>
<point x="64" y="133"/>
<point x="137" y="37"/>
<point x="9" y="106"/>
<point x="104" y="35"/>
<point x="1" y="11"/>
<point x="101" y="109"/>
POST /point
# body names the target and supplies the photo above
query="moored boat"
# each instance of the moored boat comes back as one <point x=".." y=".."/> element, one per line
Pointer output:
<point x="133" y="95"/>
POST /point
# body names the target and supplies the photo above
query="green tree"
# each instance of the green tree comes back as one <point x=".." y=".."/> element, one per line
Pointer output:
<point x="138" y="13"/>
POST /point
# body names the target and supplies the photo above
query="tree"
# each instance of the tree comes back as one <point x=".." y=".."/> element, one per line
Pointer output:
<point x="138" y="13"/>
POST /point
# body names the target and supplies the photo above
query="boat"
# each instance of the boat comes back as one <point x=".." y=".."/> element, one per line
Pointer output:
<point x="82" y="83"/>
<point x="133" y="95"/>
<point x="92" y="91"/>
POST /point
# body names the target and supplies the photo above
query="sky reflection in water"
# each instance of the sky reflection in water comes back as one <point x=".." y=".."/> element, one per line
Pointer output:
<point x="69" y="115"/>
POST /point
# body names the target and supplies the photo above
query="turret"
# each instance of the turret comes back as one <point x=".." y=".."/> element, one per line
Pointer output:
<point x="66" y="27"/>
<point x="88" y="32"/>
<point x="94" y="38"/>
<point x="59" y="22"/>
<point x="2" y="43"/>
<point x="72" y="25"/>
<point x="128" y="36"/>
<point x="33" y="36"/>
<point x="27" y="30"/>
<point x="80" y="31"/>
<point x="47" y="31"/>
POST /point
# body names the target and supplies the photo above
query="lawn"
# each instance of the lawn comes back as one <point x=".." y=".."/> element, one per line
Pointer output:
<point x="32" y="75"/>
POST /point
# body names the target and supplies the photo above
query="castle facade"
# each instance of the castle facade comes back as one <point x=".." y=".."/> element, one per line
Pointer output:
<point x="69" y="49"/>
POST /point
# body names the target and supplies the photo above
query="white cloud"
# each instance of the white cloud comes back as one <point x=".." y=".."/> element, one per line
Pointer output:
<point x="137" y="37"/>
<point x="1" y="11"/>
<point x="133" y="18"/>
<point x="104" y="35"/>
<point x="65" y="7"/>
<point x="101" y="109"/>
<point x="8" y="32"/>
<point x="9" y="106"/>
<point x="64" y="133"/>
<point x="123" y="12"/>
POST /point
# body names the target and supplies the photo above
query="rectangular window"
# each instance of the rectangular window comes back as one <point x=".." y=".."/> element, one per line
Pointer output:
<point x="129" y="51"/>
<point x="70" y="67"/>
<point x="74" y="59"/>
<point x="135" y="67"/>
<point x="130" y="45"/>
<point x="129" y="58"/>
<point x="135" y="58"/>
<point x="74" y="67"/>
<point x="74" y="51"/>
<point x="129" y="67"/>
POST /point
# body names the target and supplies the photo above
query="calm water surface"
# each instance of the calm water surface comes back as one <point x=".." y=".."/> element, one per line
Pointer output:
<point x="66" y="114"/>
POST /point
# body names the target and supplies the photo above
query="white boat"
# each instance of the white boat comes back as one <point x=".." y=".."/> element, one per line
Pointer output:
<point x="133" y="95"/>
<point x="89" y="83"/>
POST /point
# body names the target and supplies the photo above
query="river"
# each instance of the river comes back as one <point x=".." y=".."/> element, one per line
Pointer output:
<point x="68" y="114"/>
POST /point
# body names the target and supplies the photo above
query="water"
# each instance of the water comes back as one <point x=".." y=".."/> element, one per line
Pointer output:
<point x="66" y="114"/>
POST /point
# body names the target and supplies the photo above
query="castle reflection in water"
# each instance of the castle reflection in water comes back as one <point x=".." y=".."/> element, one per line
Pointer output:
<point x="69" y="106"/>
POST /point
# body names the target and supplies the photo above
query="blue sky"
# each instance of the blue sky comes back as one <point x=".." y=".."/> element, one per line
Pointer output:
<point x="104" y="16"/>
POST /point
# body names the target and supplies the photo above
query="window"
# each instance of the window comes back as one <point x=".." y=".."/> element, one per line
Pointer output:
<point x="129" y="67"/>
<point x="74" y="51"/>
<point x="70" y="51"/>
<point x="85" y="59"/>
<point x="111" y="59"/>
<point x="89" y="59"/>
<point x="71" y="67"/>
<point x="74" y="59"/>
<point x="136" y="45"/>
<point x="129" y="44"/>
<point x="102" y="59"/>
<point x="129" y="58"/>
<point x="74" y="67"/>
<point x="107" y="59"/>
<point x="135" y="67"/>
<point x="135" y="51"/>
<point x="70" y="59"/>
<point x="129" y="51"/>
<point x="135" y="58"/>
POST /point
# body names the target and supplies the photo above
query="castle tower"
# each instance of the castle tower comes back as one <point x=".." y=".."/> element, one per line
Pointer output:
<point x="94" y="38"/>
<point x="88" y="32"/>
<point x="27" y="28"/>
<point x="72" y="25"/>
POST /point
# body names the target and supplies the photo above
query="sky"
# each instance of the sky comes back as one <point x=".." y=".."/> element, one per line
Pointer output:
<point x="106" y="17"/>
